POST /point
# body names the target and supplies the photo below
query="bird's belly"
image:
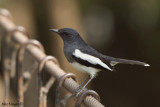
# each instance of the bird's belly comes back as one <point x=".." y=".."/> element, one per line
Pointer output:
<point x="90" y="70"/>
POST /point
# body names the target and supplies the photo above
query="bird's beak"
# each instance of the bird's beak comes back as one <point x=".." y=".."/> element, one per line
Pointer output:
<point x="54" y="30"/>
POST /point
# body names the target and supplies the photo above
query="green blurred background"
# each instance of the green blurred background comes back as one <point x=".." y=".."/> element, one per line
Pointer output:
<point x="120" y="28"/>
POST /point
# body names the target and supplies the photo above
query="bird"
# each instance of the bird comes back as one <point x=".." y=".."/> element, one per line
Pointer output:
<point x="87" y="59"/>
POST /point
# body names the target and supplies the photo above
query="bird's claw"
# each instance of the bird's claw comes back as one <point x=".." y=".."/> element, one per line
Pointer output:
<point x="78" y="91"/>
<point x="83" y="95"/>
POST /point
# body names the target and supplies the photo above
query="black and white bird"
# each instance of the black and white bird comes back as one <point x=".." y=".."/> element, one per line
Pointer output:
<point x="85" y="58"/>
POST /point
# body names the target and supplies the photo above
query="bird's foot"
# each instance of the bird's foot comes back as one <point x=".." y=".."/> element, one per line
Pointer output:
<point x="76" y="94"/>
<point x="78" y="91"/>
<point x="83" y="95"/>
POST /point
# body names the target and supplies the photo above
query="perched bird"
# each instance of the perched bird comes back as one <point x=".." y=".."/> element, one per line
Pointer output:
<point x="85" y="58"/>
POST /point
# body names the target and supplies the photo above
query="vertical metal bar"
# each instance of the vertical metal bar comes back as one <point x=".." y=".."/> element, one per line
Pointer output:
<point x="7" y="53"/>
<point x="5" y="57"/>
<point x="19" y="61"/>
<point x="6" y="69"/>
<point x="43" y="90"/>
<point x="59" y="85"/>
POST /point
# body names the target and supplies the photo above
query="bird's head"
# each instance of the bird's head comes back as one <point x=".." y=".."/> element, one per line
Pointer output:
<point x="67" y="34"/>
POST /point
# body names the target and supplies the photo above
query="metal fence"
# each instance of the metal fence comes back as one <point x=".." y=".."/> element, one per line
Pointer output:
<point x="18" y="38"/>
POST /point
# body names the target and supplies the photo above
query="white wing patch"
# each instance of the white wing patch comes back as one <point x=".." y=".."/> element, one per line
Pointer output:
<point x="90" y="59"/>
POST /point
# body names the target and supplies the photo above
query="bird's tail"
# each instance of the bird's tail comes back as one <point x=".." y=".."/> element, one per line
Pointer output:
<point x="115" y="61"/>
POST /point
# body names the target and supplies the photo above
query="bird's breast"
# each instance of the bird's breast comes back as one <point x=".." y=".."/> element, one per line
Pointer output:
<point x="90" y="70"/>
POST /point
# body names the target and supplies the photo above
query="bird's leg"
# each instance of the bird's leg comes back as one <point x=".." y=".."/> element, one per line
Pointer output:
<point x="63" y="102"/>
<point x="82" y="87"/>
<point x="90" y="79"/>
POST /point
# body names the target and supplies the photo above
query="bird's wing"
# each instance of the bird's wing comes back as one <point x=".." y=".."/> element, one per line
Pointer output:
<point x="89" y="58"/>
<point x="111" y="61"/>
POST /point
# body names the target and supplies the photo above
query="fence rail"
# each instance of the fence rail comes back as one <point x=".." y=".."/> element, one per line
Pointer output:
<point x="7" y="25"/>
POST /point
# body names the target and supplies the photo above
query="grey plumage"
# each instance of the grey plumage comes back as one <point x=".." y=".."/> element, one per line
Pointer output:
<point x="72" y="41"/>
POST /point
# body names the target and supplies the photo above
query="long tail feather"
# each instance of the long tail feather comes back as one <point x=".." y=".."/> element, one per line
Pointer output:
<point x="115" y="61"/>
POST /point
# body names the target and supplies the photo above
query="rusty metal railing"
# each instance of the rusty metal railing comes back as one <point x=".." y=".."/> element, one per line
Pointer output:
<point x="7" y="27"/>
